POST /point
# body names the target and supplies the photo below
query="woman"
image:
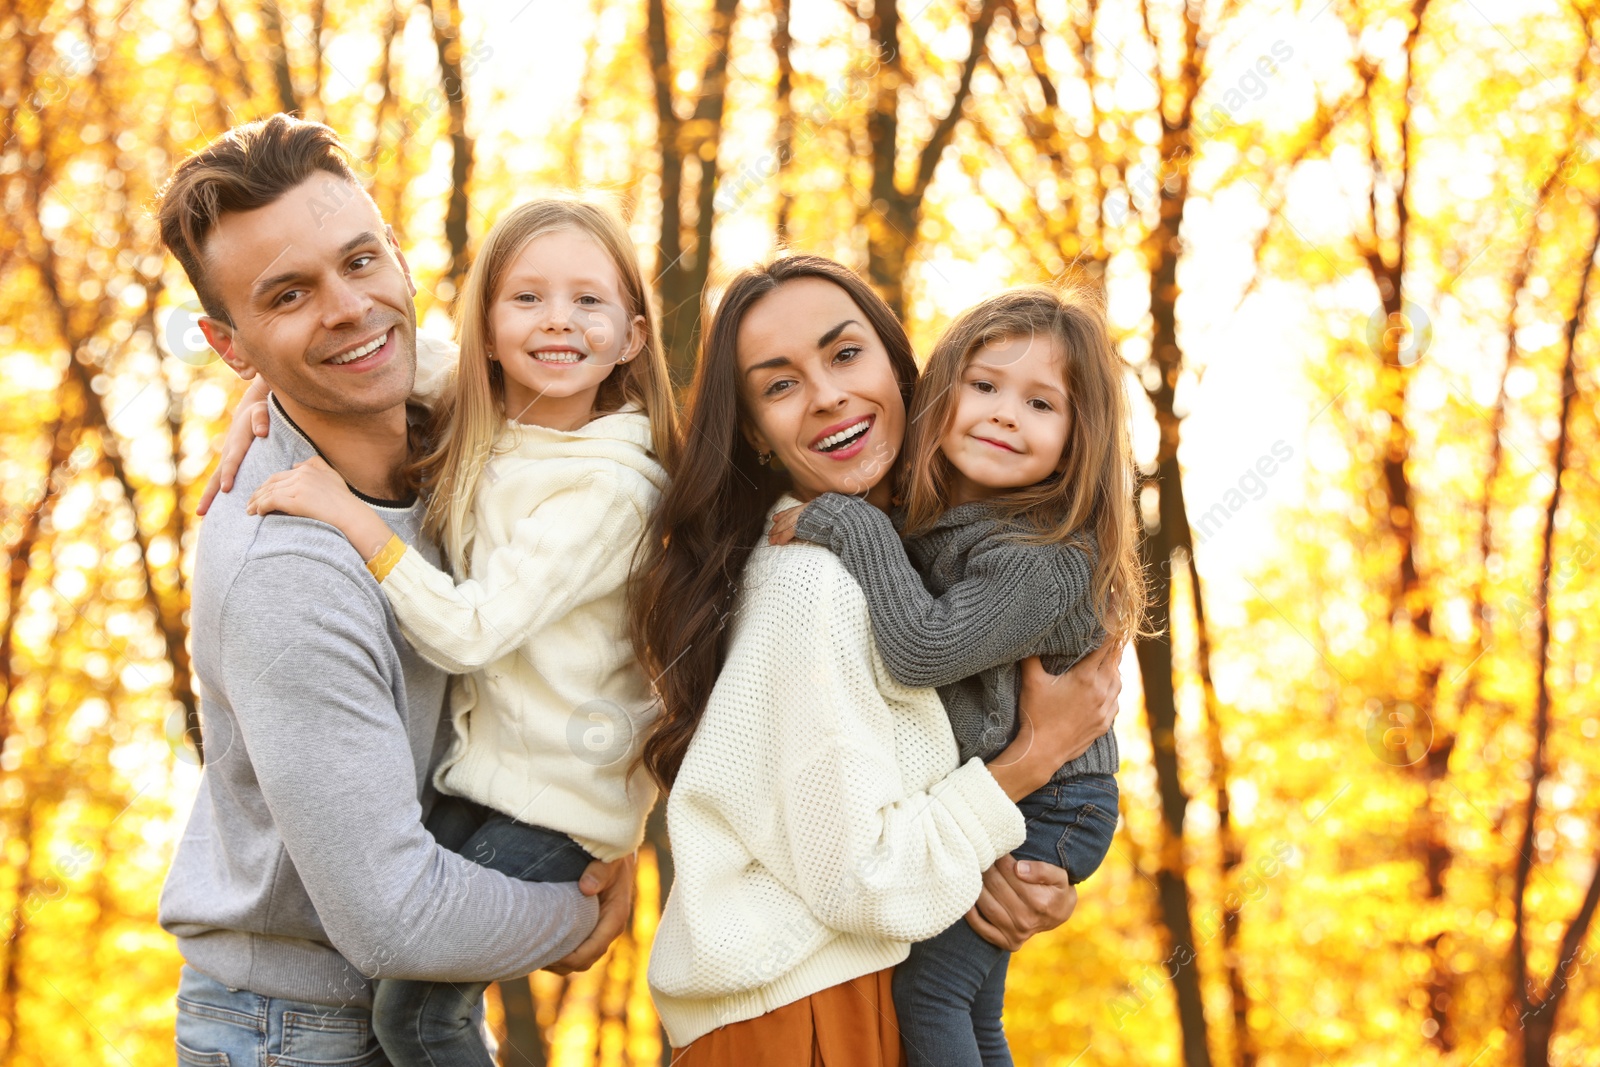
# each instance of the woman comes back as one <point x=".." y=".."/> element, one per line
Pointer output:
<point x="819" y="820"/>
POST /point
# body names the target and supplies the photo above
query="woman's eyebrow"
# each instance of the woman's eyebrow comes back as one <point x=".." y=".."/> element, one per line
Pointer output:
<point x="823" y="341"/>
<point x="768" y="364"/>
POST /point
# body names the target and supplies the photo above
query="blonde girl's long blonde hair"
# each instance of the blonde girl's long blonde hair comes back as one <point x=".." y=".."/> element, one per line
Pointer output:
<point x="1093" y="489"/>
<point x="471" y="416"/>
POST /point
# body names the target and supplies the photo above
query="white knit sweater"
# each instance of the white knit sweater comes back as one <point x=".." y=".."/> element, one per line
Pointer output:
<point x="819" y="823"/>
<point x="553" y="705"/>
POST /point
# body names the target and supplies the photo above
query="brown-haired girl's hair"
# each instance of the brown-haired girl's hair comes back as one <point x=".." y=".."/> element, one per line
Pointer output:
<point x="472" y="413"/>
<point x="714" y="512"/>
<point x="249" y="167"/>
<point x="1094" y="487"/>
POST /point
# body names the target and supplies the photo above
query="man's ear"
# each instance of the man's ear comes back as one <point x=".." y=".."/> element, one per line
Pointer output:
<point x="405" y="268"/>
<point x="219" y="335"/>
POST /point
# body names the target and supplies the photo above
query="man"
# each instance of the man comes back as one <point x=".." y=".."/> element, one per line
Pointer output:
<point x="305" y="871"/>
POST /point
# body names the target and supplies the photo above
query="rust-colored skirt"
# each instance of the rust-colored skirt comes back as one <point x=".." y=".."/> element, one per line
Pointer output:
<point x="851" y="1024"/>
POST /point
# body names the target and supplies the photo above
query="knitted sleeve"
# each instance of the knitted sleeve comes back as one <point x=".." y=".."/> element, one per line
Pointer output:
<point x="871" y="853"/>
<point x="1013" y="594"/>
<point x="576" y="546"/>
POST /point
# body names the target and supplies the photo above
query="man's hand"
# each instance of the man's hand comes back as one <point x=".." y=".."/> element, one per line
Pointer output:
<point x="1021" y="899"/>
<point x="614" y="883"/>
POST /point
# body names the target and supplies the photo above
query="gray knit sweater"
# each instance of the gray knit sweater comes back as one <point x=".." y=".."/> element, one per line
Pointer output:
<point x="959" y="606"/>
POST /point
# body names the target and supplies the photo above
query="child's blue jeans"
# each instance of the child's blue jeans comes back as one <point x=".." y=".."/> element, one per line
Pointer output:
<point x="434" y="1024"/>
<point x="949" y="992"/>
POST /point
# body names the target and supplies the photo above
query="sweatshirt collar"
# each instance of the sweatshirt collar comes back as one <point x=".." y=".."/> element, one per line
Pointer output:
<point x="628" y="423"/>
<point x="377" y="502"/>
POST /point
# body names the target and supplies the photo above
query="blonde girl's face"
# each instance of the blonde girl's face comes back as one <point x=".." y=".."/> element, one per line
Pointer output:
<point x="558" y="325"/>
<point x="1009" y="427"/>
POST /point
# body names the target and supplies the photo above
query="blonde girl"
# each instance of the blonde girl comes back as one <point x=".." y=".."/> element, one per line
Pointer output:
<point x="552" y="448"/>
<point x="1017" y="514"/>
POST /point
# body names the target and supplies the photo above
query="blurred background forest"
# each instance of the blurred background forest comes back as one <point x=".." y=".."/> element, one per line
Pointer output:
<point x="1347" y="247"/>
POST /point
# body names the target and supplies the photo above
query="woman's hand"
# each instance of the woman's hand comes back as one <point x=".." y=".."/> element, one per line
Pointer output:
<point x="1059" y="718"/>
<point x="250" y="420"/>
<point x="614" y="883"/>
<point x="314" y="490"/>
<point x="1021" y="899"/>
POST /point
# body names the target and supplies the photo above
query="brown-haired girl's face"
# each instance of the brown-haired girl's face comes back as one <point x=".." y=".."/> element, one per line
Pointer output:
<point x="818" y="390"/>
<point x="1009" y="426"/>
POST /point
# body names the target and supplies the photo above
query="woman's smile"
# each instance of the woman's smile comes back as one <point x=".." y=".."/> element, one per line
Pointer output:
<point x="845" y="440"/>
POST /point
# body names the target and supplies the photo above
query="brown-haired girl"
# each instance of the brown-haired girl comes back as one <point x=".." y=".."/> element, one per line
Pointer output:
<point x="555" y="444"/>
<point x="820" y="819"/>
<point x="1020" y="541"/>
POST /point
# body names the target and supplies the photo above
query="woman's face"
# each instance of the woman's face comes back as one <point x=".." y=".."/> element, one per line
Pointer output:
<point x="818" y="390"/>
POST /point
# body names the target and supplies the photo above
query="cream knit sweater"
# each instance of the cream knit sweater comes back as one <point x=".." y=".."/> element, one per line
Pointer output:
<point x="819" y="823"/>
<point x="553" y="705"/>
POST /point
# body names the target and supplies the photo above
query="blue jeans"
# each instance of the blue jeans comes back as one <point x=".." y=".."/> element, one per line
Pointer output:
<point x="435" y="1024"/>
<point x="223" y="1027"/>
<point x="950" y="991"/>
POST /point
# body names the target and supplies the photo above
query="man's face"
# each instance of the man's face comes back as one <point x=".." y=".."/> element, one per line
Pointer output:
<point x="320" y="299"/>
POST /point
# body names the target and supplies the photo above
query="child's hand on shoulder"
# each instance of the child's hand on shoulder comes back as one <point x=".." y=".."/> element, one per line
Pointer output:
<point x="783" y="524"/>
<point x="311" y="490"/>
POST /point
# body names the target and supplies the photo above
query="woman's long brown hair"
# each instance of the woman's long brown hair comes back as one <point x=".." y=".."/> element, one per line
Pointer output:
<point x="714" y="511"/>
<point x="1094" y="486"/>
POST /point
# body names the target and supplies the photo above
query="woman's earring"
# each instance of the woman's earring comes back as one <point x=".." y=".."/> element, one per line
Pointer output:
<point x="763" y="458"/>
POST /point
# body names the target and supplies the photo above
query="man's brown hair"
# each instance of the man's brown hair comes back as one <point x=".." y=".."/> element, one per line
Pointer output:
<point x="246" y="168"/>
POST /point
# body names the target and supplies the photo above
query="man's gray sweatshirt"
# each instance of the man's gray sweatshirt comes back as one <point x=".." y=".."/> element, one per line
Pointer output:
<point x="957" y="607"/>
<point x="305" y="870"/>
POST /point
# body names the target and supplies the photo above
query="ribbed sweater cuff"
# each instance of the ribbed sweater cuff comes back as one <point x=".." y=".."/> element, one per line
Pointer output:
<point x="983" y="810"/>
<point x="407" y="578"/>
<point x="822" y="516"/>
<point x="1101" y="757"/>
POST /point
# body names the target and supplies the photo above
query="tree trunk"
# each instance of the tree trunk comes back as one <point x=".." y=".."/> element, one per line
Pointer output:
<point x="896" y="213"/>
<point x="1227" y="840"/>
<point x="783" y="105"/>
<point x="230" y="39"/>
<point x="1536" y="1012"/>
<point x="890" y="222"/>
<point x="446" y="19"/>
<point x="685" y="256"/>
<point x="165" y="605"/>
<point x="278" y="56"/>
<point x="1163" y="249"/>
<point x="1155" y="670"/>
<point x="524" y="1046"/>
<point x="1410" y="598"/>
<point x="383" y="77"/>
<point x="319" y="20"/>
<point x="11" y="973"/>
<point x="655" y="834"/>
